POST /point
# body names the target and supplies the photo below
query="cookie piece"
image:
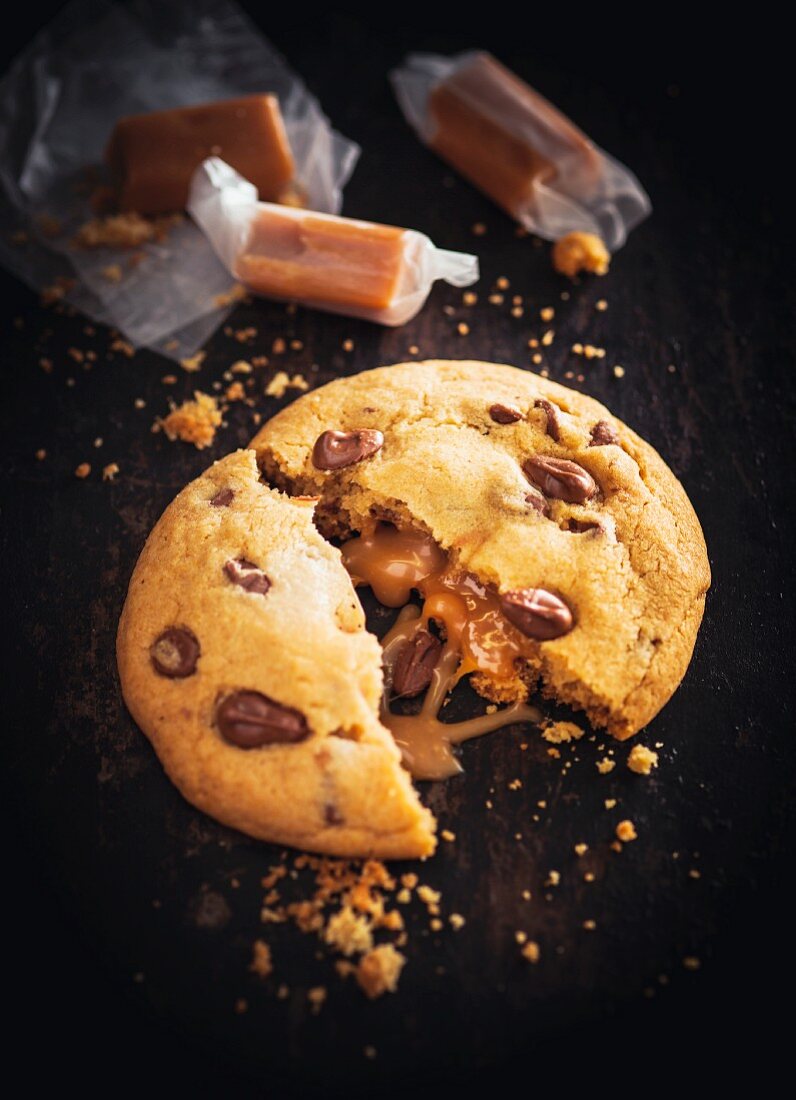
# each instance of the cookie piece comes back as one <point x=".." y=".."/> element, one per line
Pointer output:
<point x="531" y="487"/>
<point x="243" y="656"/>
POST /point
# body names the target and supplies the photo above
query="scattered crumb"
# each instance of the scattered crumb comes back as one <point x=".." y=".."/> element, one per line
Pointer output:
<point x="558" y="733"/>
<point x="379" y="970"/>
<point x="605" y="765"/>
<point x="479" y="229"/>
<point x="581" y="849"/>
<point x="462" y="328"/>
<point x="610" y="803"/>
<point x="41" y="454"/>
<point x="693" y="873"/>
<point x="348" y="933"/>
<point x="235" y="392"/>
<point x="691" y="962"/>
<point x="553" y="878"/>
<point x="281" y="382"/>
<point x="619" y="372"/>
<point x="193" y="362"/>
<point x="469" y="298"/>
<point x="348" y="345"/>
<point x="123" y="346"/>
<point x="194" y="421"/>
<point x="124" y="230"/>
<point x="83" y="470"/>
<point x="590" y="925"/>
<point x="110" y="471"/>
<point x="578" y="252"/>
<point x="316" y="996"/>
<point x="457" y="921"/>
<point x="446" y="834"/>
<point x="531" y="952"/>
<point x="601" y="306"/>
<point x="57" y="291"/>
<point x="241" y="1006"/>
<point x="369" y="1052"/>
<point x="642" y="760"/>
<point x="261" y="963"/>
<point x="235" y="294"/>
<point x="626" y="831"/>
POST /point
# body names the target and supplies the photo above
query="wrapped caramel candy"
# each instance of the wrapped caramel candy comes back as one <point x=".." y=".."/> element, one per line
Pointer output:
<point x="377" y="272"/>
<point x="518" y="148"/>
<point x="154" y="156"/>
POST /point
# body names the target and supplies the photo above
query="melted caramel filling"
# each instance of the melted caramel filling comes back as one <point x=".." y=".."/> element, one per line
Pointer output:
<point x="478" y="638"/>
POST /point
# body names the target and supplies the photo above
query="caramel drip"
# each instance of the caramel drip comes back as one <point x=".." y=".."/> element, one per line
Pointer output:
<point x="478" y="637"/>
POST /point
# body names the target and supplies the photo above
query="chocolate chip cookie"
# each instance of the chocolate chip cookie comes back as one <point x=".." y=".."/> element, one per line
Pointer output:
<point x="243" y="656"/>
<point x="580" y="548"/>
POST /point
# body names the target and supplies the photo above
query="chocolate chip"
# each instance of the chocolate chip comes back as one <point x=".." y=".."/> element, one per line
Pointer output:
<point x="536" y="613"/>
<point x="174" y="653"/>
<point x="333" y="450"/>
<point x="416" y="663"/>
<point x="551" y="413"/>
<point x="538" y="502"/>
<point x="223" y="498"/>
<point x="247" y="575"/>
<point x="602" y="434"/>
<point x="580" y="527"/>
<point x="505" y="414"/>
<point x="560" y="478"/>
<point x="250" y="719"/>
<point x="331" y="815"/>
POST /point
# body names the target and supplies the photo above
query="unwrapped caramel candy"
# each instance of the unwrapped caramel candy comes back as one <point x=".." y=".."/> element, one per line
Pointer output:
<point x="153" y="156"/>
<point x="518" y="148"/>
<point x="377" y="272"/>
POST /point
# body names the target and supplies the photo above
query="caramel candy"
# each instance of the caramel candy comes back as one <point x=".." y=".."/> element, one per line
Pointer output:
<point x="503" y="136"/>
<point x="361" y="269"/>
<point x="153" y="156"/>
<point x="518" y="148"/>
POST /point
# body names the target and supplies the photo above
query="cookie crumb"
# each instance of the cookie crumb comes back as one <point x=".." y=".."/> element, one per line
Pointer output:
<point x="553" y="878"/>
<point x="610" y="803"/>
<point x="316" y="996"/>
<point x="83" y="470"/>
<point x="261" y="963"/>
<point x="446" y="834"/>
<point x="642" y="760"/>
<point x="626" y="831"/>
<point x="605" y="765"/>
<point x="578" y="252"/>
<point x="282" y="382"/>
<point x="379" y="970"/>
<point x="193" y="362"/>
<point x="558" y="733"/>
<point x="457" y="921"/>
<point x="348" y="933"/>
<point x="691" y="962"/>
<point x="619" y="372"/>
<point x="581" y="849"/>
<point x="531" y="952"/>
<point x="462" y="328"/>
<point x="110" y="471"/>
<point x="194" y="421"/>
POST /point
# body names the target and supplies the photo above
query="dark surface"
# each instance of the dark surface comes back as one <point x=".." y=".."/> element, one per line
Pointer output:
<point x="96" y="835"/>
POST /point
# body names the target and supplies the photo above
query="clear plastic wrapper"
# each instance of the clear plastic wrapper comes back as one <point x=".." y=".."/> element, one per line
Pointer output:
<point x="59" y="102"/>
<point x="380" y="273"/>
<point x="518" y="148"/>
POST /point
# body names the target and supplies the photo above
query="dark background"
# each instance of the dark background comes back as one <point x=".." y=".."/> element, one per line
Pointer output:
<point x="95" y="832"/>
